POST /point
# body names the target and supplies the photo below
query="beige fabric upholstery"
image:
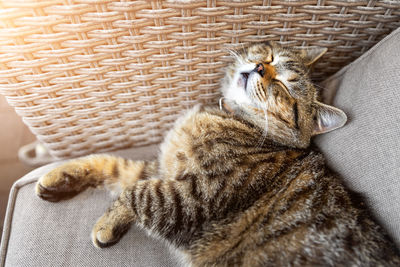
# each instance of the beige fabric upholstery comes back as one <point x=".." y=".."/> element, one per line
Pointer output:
<point x="40" y="233"/>
<point x="366" y="152"/>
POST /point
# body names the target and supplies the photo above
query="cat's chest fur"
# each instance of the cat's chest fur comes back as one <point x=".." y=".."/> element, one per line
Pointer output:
<point x="176" y="150"/>
<point x="224" y="153"/>
<point x="206" y="133"/>
<point x="202" y="139"/>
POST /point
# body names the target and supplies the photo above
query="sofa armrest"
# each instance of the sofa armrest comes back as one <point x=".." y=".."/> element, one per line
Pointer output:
<point x="40" y="233"/>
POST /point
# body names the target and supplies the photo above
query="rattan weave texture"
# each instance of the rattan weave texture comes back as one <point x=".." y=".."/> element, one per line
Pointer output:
<point x="97" y="75"/>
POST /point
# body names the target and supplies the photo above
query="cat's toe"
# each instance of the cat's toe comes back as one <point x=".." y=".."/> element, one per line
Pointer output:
<point x="107" y="236"/>
<point x="103" y="239"/>
<point x="53" y="194"/>
<point x="61" y="183"/>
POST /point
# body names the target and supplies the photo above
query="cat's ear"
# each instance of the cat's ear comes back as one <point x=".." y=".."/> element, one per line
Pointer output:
<point x="327" y="118"/>
<point x="312" y="54"/>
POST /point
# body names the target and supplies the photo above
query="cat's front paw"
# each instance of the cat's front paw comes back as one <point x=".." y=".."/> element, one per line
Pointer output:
<point x="106" y="234"/>
<point x="63" y="182"/>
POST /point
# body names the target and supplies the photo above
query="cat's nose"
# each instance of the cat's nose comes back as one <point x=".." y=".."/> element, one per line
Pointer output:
<point x="260" y="69"/>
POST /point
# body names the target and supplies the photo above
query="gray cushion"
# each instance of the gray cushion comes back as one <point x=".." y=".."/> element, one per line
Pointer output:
<point x="366" y="152"/>
<point x="40" y="233"/>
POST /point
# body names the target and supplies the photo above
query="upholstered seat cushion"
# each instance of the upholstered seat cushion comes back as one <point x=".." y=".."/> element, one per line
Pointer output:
<point x="366" y="152"/>
<point x="40" y="233"/>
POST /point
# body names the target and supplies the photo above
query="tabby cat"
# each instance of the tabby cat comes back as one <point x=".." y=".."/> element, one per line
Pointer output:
<point x="240" y="185"/>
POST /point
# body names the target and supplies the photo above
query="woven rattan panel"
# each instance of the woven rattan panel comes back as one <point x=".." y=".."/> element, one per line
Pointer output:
<point x="96" y="75"/>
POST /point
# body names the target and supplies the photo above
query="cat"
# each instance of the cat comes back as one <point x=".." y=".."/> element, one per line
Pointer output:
<point x="240" y="184"/>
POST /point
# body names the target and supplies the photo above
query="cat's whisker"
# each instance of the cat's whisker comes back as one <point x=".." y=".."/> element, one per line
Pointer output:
<point x="234" y="54"/>
<point x="319" y="86"/>
<point x="264" y="107"/>
<point x="220" y="102"/>
<point x="265" y="133"/>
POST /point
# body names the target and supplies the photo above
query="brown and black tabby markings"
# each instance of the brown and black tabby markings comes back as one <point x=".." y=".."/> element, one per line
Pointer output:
<point x="240" y="185"/>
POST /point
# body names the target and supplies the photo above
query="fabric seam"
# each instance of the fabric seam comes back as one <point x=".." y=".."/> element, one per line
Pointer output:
<point x="8" y="219"/>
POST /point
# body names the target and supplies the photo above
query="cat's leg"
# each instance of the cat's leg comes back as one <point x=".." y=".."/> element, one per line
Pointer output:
<point x="110" y="227"/>
<point x="74" y="176"/>
<point x="171" y="209"/>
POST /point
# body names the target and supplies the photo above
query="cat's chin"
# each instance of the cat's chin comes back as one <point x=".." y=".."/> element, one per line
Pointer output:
<point x="242" y="81"/>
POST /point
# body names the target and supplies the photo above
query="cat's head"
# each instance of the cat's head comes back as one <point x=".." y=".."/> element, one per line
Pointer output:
<point x="272" y="86"/>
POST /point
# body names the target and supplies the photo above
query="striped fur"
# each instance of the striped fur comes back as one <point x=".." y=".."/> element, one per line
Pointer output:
<point x="240" y="186"/>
